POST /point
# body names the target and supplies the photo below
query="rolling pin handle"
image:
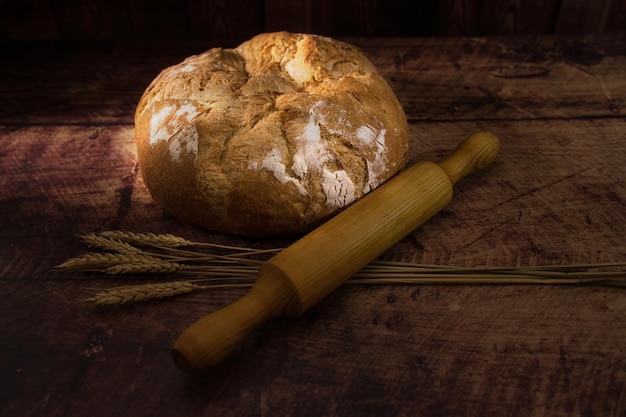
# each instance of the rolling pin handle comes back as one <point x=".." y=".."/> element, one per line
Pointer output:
<point x="473" y="154"/>
<point x="213" y="337"/>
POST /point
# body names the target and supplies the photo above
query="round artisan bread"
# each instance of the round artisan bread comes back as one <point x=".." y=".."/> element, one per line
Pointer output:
<point x="270" y="138"/>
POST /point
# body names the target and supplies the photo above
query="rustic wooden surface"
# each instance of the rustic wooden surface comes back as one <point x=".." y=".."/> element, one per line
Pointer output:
<point x="556" y="195"/>
<point x="240" y="19"/>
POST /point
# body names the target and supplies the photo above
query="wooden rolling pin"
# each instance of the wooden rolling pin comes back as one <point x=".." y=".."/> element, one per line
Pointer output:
<point x="298" y="277"/>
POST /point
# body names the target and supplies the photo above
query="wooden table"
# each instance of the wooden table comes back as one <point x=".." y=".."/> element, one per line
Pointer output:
<point x="555" y="196"/>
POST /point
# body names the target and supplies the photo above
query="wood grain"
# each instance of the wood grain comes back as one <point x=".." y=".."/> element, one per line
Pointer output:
<point x="304" y="16"/>
<point x="239" y="19"/>
<point x="459" y="17"/>
<point x="502" y="80"/>
<point x="507" y="355"/>
<point x="514" y="16"/>
<point x="225" y="19"/>
<point x="555" y="195"/>
<point x="604" y="15"/>
<point x="495" y="78"/>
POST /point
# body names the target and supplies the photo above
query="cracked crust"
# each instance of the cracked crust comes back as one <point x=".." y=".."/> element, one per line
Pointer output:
<point x="270" y="138"/>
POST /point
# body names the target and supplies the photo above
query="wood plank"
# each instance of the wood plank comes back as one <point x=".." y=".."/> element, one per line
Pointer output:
<point x="225" y="19"/>
<point x="459" y="17"/>
<point x="353" y="17"/>
<point x="384" y="18"/>
<point x="615" y="17"/>
<point x="495" y="78"/>
<point x="583" y="17"/>
<point x="81" y="82"/>
<point x="27" y="20"/>
<point x="79" y="19"/>
<point x="552" y="196"/>
<point x="292" y="16"/>
<point x="513" y="17"/>
<point x="363" y="351"/>
<point x="219" y="19"/>
<point x="119" y="20"/>
<point x="56" y="185"/>
<point x="309" y="16"/>
<point x="498" y="79"/>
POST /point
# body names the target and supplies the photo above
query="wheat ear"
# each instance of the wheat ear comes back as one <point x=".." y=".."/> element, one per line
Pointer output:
<point x="151" y="266"/>
<point x="95" y="261"/>
<point x="147" y="239"/>
<point x="142" y="293"/>
<point x="98" y="241"/>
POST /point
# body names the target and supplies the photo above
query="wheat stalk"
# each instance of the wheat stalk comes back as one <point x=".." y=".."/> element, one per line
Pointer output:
<point x="99" y="262"/>
<point x="147" y="239"/>
<point x="239" y="267"/>
<point x="101" y="242"/>
<point x="147" y="267"/>
<point x="147" y="292"/>
<point x="142" y="293"/>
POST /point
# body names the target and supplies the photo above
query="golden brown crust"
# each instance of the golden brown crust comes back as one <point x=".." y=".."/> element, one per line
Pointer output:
<point x="269" y="138"/>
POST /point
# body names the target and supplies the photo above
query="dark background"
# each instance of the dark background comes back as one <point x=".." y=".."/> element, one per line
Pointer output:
<point x="241" y="19"/>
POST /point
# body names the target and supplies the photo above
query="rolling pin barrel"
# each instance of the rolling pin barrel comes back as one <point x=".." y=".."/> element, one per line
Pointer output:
<point x="294" y="280"/>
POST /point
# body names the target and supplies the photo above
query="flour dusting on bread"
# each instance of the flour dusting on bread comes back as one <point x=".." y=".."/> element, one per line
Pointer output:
<point x="172" y="124"/>
<point x="273" y="162"/>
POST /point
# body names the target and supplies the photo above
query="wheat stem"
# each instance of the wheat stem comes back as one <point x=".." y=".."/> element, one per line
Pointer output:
<point x="237" y="267"/>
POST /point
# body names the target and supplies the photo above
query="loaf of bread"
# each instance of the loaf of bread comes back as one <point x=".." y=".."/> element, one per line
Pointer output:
<point x="270" y="138"/>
